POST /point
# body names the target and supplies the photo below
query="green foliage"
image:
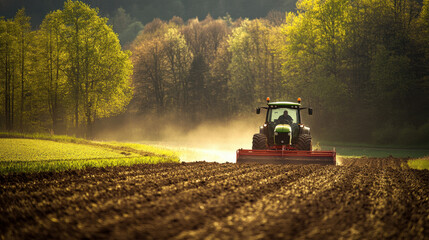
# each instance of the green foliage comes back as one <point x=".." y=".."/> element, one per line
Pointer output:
<point x="172" y="64"/>
<point x="73" y="73"/>
<point x="51" y="82"/>
<point x="407" y="134"/>
<point x="362" y="65"/>
<point x="356" y="60"/>
<point x="420" y="164"/>
<point x="243" y="83"/>
<point x="14" y="53"/>
<point x="146" y="10"/>
<point x="255" y="66"/>
<point x="130" y="33"/>
<point x="346" y="150"/>
<point x="312" y="59"/>
<point x="99" y="69"/>
<point x="126" y="27"/>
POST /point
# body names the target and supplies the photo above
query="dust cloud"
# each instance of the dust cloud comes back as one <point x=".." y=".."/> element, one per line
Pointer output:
<point x="211" y="141"/>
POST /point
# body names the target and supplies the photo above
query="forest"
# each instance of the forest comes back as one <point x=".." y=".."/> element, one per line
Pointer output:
<point x="65" y="75"/>
<point x="145" y="11"/>
<point x="363" y="65"/>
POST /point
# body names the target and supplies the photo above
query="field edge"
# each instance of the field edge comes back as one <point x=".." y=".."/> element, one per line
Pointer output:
<point x="146" y="155"/>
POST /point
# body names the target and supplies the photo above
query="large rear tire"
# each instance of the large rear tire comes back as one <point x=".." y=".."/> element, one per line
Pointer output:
<point x="259" y="141"/>
<point x="304" y="142"/>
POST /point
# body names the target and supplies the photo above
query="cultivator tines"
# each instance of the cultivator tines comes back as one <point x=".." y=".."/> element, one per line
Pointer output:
<point x="286" y="157"/>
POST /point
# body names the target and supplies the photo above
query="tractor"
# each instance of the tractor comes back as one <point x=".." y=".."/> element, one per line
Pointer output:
<point x="283" y="138"/>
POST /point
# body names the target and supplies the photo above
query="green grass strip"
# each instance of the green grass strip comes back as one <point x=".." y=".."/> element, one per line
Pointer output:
<point x="44" y="152"/>
<point x="7" y="167"/>
<point x="16" y="149"/>
<point x="420" y="163"/>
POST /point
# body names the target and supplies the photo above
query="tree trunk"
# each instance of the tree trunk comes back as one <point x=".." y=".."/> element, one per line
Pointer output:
<point x="22" y="83"/>
<point x="6" y="93"/>
<point x="77" y="80"/>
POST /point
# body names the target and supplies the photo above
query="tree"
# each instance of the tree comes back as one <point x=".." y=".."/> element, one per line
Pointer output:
<point x="14" y="47"/>
<point x="8" y="50"/>
<point x="172" y="66"/>
<point x="357" y="53"/>
<point x="178" y="61"/>
<point x="391" y="75"/>
<point x="313" y="58"/>
<point x="24" y="38"/>
<point x="126" y="27"/>
<point x="243" y="80"/>
<point x="276" y="17"/>
<point x="149" y="62"/>
<point x="204" y="39"/>
<point x="121" y="20"/>
<point x="130" y="33"/>
<point x="51" y="79"/>
<point x="99" y="71"/>
<point x="255" y="68"/>
<point x="220" y="77"/>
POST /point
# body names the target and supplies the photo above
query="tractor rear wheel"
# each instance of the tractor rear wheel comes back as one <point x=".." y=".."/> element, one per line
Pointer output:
<point x="259" y="141"/>
<point x="304" y="142"/>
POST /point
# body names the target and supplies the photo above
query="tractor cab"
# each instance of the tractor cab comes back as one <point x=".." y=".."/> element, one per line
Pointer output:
<point x="283" y="125"/>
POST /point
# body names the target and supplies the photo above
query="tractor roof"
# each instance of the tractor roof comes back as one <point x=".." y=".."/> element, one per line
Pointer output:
<point x="284" y="104"/>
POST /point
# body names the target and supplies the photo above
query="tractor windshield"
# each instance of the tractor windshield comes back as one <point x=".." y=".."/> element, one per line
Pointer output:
<point x="275" y="113"/>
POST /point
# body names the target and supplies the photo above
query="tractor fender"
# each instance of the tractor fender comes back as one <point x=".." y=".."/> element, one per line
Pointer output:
<point x="304" y="130"/>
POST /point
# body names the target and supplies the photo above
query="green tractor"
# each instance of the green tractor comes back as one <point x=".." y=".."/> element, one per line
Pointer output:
<point x="283" y="127"/>
<point x="283" y="138"/>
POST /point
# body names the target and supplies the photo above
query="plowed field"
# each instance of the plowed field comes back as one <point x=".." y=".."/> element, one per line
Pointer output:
<point x="362" y="199"/>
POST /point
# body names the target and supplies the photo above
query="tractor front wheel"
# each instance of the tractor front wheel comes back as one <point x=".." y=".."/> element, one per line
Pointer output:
<point x="259" y="141"/>
<point x="304" y="142"/>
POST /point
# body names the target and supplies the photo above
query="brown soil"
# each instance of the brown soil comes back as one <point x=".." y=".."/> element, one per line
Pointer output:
<point x="363" y="199"/>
